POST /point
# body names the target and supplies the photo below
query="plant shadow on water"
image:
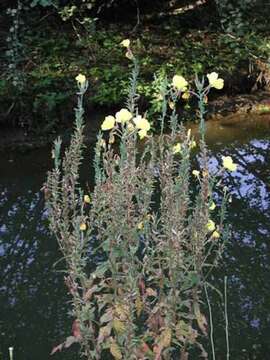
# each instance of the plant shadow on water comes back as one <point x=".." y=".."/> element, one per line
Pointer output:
<point x="33" y="297"/>
<point x="246" y="259"/>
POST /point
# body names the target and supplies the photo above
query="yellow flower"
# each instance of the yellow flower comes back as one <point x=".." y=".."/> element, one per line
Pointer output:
<point x="81" y="79"/>
<point x="216" y="234"/>
<point x="141" y="123"/>
<point x="123" y="116"/>
<point x="210" y="225"/>
<point x="82" y="226"/>
<point x="176" y="148"/>
<point x="171" y="105"/>
<point x="129" y="55"/>
<point x="186" y="95"/>
<point x="142" y="133"/>
<point x="212" y="206"/>
<point x="192" y="144"/>
<point x="228" y="163"/>
<point x="108" y="123"/>
<point x="196" y="173"/>
<point x="140" y="226"/>
<point x="130" y="127"/>
<point x="180" y="83"/>
<point x="125" y="43"/>
<point x="215" y="81"/>
<point x="87" y="199"/>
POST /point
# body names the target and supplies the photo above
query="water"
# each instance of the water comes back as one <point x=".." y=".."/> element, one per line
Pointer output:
<point x="33" y="299"/>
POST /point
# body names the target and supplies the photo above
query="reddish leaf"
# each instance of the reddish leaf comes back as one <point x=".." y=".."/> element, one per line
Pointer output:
<point x="76" y="331"/>
<point x="70" y="340"/>
<point x="142" y="352"/>
<point x="142" y="286"/>
<point x="66" y="344"/>
<point x="87" y="296"/>
<point x="57" y="348"/>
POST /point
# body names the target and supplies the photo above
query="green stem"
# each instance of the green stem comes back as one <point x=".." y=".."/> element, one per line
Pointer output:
<point x="226" y="318"/>
<point x="211" y="323"/>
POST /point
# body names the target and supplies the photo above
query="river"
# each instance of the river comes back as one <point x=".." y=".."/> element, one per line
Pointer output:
<point x="33" y="298"/>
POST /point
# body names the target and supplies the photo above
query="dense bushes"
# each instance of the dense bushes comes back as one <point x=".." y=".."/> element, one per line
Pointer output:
<point x="239" y="16"/>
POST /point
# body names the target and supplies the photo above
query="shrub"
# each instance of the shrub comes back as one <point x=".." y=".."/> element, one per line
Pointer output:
<point x="239" y="16"/>
<point x="140" y="246"/>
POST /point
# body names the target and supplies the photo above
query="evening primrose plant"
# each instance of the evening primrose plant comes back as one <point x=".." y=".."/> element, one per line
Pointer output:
<point x="140" y="245"/>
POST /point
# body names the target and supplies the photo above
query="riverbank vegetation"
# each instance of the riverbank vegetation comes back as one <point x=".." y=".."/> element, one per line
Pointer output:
<point x="46" y="43"/>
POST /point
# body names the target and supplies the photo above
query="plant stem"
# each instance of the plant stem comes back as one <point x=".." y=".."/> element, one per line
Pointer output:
<point x="226" y="318"/>
<point x="211" y="323"/>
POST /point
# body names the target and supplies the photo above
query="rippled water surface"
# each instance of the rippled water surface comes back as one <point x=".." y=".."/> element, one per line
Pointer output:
<point x="33" y="299"/>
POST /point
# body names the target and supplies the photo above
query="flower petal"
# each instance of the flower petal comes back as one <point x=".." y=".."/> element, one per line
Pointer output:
<point x="123" y="116"/>
<point x="179" y="82"/>
<point x="81" y="79"/>
<point x="210" y="225"/>
<point x="108" y="123"/>
<point x="228" y="163"/>
<point x="141" y="123"/>
<point x="125" y="43"/>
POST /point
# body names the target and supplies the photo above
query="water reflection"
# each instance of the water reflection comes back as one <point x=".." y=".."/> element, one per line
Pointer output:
<point x="247" y="256"/>
<point x="32" y="295"/>
<point x="33" y="298"/>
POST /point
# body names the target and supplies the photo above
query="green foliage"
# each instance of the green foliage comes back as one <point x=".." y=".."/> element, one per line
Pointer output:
<point x="41" y="60"/>
<point x="15" y="52"/>
<point x="108" y="79"/>
<point x="139" y="247"/>
<point x="239" y="16"/>
<point x="50" y="102"/>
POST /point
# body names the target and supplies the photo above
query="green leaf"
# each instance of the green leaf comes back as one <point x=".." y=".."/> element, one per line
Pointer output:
<point x="101" y="269"/>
